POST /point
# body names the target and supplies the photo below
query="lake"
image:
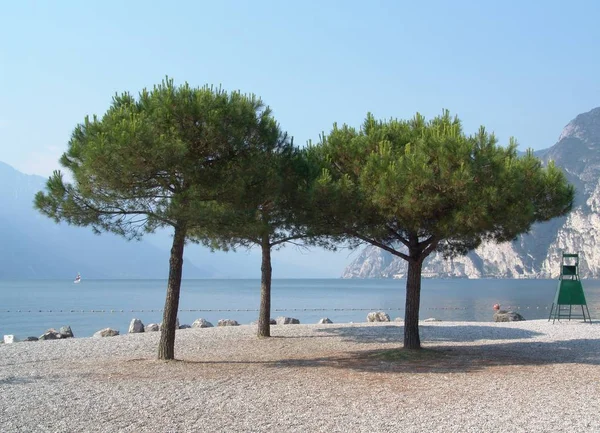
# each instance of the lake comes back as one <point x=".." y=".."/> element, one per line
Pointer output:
<point x="29" y="307"/>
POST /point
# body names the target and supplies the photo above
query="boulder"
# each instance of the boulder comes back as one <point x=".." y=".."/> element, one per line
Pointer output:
<point x="201" y="323"/>
<point x="185" y="327"/>
<point x="398" y="319"/>
<point x="227" y="322"/>
<point x="152" y="327"/>
<point x="432" y="319"/>
<point x="287" y="321"/>
<point x="106" y="332"/>
<point x="136" y="326"/>
<point x="50" y="334"/>
<point x="378" y="316"/>
<point x="324" y="321"/>
<point x="65" y="332"/>
<point x="31" y="339"/>
<point x="507" y="316"/>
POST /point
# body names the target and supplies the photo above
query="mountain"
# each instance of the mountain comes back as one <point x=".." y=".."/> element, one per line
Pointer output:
<point x="536" y="254"/>
<point x="34" y="246"/>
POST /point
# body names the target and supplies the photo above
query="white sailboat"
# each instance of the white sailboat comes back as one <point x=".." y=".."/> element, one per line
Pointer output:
<point x="77" y="278"/>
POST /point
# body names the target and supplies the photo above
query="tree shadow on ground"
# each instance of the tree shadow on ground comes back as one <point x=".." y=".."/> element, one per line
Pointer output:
<point x="457" y="358"/>
<point x="506" y="347"/>
<point x="395" y="334"/>
<point x="433" y="358"/>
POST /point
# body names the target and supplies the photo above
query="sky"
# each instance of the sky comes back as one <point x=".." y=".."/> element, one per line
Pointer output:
<point x="521" y="68"/>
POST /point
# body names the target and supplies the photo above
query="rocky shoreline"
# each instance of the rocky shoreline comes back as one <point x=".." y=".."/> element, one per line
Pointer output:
<point x="137" y="326"/>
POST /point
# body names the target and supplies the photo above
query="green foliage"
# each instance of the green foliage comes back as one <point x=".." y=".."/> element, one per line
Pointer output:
<point x="156" y="160"/>
<point x="427" y="180"/>
<point x="416" y="186"/>
<point x="269" y="203"/>
<point x="167" y="158"/>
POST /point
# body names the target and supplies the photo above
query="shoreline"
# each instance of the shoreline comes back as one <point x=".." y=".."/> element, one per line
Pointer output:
<point x="342" y="301"/>
<point x="22" y="337"/>
<point x="473" y="376"/>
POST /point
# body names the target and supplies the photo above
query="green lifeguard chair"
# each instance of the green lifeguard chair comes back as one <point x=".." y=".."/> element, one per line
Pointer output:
<point x="569" y="292"/>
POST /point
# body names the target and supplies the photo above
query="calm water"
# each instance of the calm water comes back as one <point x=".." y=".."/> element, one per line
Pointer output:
<point x="40" y="302"/>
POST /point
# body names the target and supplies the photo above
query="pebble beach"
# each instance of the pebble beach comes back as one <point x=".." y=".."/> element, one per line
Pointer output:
<point x="531" y="376"/>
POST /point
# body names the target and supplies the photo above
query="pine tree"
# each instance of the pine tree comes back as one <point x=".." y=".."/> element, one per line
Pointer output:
<point x="269" y="207"/>
<point x="414" y="187"/>
<point x="162" y="159"/>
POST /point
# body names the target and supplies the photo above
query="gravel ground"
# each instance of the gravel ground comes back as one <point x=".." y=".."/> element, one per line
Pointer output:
<point x="529" y="376"/>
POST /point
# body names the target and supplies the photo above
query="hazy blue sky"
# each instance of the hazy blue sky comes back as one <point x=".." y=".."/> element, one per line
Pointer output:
<point x="521" y="68"/>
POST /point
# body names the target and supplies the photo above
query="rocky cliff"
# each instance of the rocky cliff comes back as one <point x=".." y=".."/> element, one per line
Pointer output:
<point x="536" y="254"/>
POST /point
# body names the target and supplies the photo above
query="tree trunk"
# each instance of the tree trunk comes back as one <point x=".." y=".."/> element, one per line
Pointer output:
<point x="413" y="300"/>
<point x="264" y="316"/>
<point x="166" y="345"/>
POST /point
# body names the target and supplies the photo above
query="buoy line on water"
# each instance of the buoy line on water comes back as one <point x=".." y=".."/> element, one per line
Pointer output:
<point x="201" y="310"/>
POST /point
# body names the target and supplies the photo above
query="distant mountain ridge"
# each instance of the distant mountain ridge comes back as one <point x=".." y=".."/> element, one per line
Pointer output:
<point x="34" y="246"/>
<point x="536" y="254"/>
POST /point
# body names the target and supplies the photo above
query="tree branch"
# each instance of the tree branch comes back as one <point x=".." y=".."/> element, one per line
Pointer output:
<point x="122" y="212"/>
<point x="382" y="246"/>
<point x="288" y="239"/>
<point x="432" y="246"/>
<point x="397" y="236"/>
<point x="427" y="241"/>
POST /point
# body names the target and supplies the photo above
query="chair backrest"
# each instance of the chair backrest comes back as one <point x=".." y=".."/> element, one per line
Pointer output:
<point x="570" y="266"/>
